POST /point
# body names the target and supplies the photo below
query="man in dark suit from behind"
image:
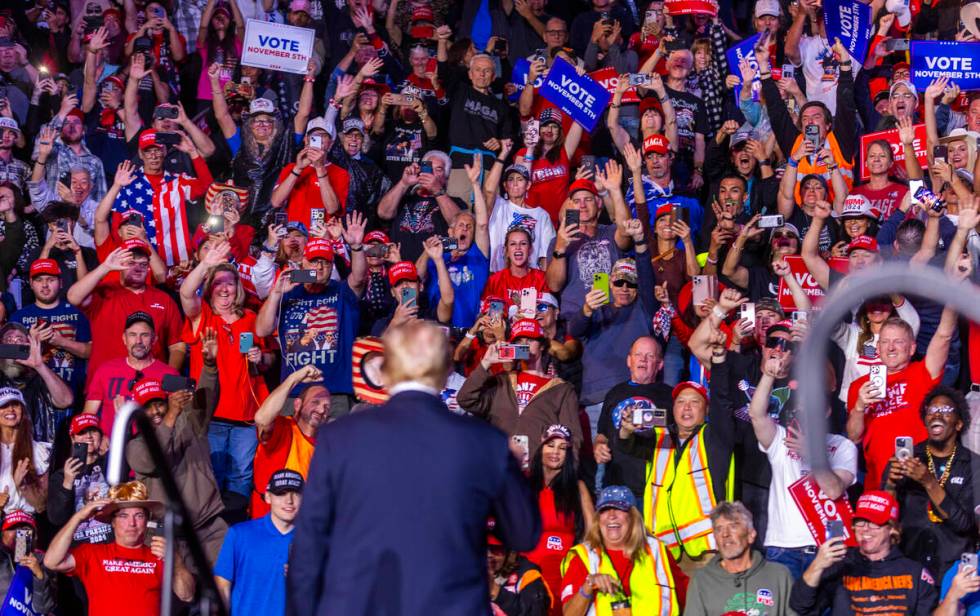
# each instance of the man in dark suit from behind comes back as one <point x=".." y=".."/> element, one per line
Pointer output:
<point x="397" y="499"/>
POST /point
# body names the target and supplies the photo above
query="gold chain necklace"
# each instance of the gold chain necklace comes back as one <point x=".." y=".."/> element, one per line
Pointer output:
<point x="942" y="480"/>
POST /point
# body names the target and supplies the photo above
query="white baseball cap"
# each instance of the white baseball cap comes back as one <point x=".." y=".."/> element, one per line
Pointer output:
<point x="321" y="123"/>
<point x="768" y="7"/>
<point x="262" y="105"/>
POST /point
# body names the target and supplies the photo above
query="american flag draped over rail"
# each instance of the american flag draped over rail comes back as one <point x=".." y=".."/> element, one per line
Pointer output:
<point x="163" y="211"/>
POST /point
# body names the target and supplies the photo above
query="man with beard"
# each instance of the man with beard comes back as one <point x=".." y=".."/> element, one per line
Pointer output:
<point x="12" y="170"/>
<point x="61" y="328"/>
<point x="287" y="442"/>
<point x="60" y="148"/>
<point x="47" y="397"/>
<point x="739" y="579"/>
<point x="120" y="376"/>
<point x="934" y="487"/>
<point x="110" y="304"/>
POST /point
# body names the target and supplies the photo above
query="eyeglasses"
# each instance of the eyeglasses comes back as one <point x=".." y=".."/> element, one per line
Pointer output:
<point x="543" y="307"/>
<point x="555" y="32"/>
<point x="940" y="410"/>
<point x="136" y="379"/>
<point x="867" y="524"/>
<point x="263" y="122"/>
<point x="781" y="344"/>
<point x="624" y="283"/>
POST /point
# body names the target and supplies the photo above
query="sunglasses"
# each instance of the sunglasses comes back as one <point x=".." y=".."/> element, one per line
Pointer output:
<point x="780" y="343"/>
<point x="136" y="379"/>
<point x="543" y="307"/>
<point x="624" y="283"/>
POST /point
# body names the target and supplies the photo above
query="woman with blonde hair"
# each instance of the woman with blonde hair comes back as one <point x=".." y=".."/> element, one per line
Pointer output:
<point x="618" y="568"/>
<point x="220" y="307"/>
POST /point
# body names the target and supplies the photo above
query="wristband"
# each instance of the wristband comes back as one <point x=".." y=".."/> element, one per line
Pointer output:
<point x="501" y="161"/>
<point x="469" y="336"/>
<point x="765" y="163"/>
<point x="582" y="592"/>
<point x="615" y="105"/>
<point x="293" y="172"/>
<point x="718" y="312"/>
<point x="712" y="261"/>
<point x="792" y="162"/>
<point x="558" y="255"/>
<point x="358" y="249"/>
<point x="640" y="243"/>
<point x="271" y="251"/>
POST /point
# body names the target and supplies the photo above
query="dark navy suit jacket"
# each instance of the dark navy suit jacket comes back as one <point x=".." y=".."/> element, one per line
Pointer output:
<point x="394" y="513"/>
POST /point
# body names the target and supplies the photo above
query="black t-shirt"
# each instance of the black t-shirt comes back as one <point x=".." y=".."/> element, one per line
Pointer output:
<point x="418" y="218"/>
<point x="691" y="119"/>
<point x="762" y="283"/>
<point x="625" y="469"/>
<point x="402" y="145"/>
<point x="829" y="234"/>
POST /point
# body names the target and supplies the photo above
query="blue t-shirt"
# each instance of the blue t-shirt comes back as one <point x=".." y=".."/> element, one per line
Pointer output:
<point x="469" y="275"/>
<point x="656" y="197"/>
<point x="71" y="324"/>
<point x="971" y="602"/>
<point x="253" y="558"/>
<point x="319" y="329"/>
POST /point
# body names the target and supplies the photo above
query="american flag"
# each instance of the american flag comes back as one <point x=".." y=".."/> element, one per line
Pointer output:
<point x="321" y="318"/>
<point x="166" y="226"/>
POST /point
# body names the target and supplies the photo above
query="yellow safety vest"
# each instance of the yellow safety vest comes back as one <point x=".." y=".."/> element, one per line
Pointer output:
<point x="806" y="167"/>
<point x="680" y="495"/>
<point x="651" y="581"/>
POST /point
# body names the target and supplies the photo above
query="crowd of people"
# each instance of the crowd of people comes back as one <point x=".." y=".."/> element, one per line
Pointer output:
<point x="231" y="246"/>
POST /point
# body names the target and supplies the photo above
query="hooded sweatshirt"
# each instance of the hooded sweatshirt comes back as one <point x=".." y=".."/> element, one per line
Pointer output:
<point x="893" y="585"/>
<point x="763" y="589"/>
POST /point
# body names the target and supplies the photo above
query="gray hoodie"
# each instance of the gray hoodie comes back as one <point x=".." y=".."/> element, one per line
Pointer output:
<point x="762" y="590"/>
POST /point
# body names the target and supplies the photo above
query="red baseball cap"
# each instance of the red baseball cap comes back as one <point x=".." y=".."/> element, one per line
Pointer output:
<point x="148" y="139"/>
<point x="863" y="242"/>
<point x="82" y="422"/>
<point x="657" y="144"/>
<point x="377" y="236"/>
<point x="698" y="387"/>
<point x="663" y="210"/>
<point x="876" y="506"/>
<point x="526" y="328"/>
<point x="403" y="270"/>
<point x="18" y="517"/>
<point x="45" y="267"/>
<point x="147" y="390"/>
<point x="900" y="65"/>
<point x="318" y="249"/>
<point x="137" y="244"/>
<point x="651" y="102"/>
<point x="583" y="184"/>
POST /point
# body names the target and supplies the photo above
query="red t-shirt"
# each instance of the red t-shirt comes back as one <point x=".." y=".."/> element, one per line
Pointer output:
<point x="884" y="200"/>
<point x="896" y="415"/>
<point x="549" y="183"/>
<point x="108" y="309"/>
<point x="241" y="393"/>
<point x="119" y="580"/>
<point x="114" y="378"/>
<point x="527" y="385"/>
<point x="284" y="446"/>
<point x="240" y="239"/>
<point x="505" y="285"/>
<point x="305" y="195"/>
<point x="557" y="537"/>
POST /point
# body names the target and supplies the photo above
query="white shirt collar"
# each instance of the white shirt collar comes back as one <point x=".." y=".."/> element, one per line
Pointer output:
<point x="412" y="386"/>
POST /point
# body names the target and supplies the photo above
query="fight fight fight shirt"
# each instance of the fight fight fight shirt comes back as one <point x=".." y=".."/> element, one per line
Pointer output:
<point x="71" y="324"/>
<point x="117" y="579"/>
<point x="319" y="329"/>
<point x="896" y="415"/>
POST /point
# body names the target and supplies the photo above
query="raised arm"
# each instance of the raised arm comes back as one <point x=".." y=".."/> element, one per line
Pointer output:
<point x="117" y="261"/>
<point x="732" y="267"/>
<point x="811" y="245"/>
<point x="137" y="71"/>
<point x="276" y="400"/>
<point x="190" y="299"/>
<point x="762" y="424"/>
<point x="480" y="209"/>
<point x="221" y="113"/>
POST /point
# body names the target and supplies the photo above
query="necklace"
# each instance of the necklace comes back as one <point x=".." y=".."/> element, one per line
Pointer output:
<point x="942" y="480"/>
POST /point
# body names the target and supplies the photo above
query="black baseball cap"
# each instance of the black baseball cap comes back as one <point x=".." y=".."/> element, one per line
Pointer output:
<point x="137" y="317"/>
<point x="285" y="480"/>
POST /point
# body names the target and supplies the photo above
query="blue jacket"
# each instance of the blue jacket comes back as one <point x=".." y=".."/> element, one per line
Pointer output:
<point x="394" y="514"/>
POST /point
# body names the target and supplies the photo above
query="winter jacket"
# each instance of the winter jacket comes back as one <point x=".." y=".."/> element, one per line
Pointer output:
<point x="762" y="589"/>
<point x="495" y="398"/>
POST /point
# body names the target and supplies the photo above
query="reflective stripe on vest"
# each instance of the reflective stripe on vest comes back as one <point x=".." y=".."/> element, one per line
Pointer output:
<point x="680" y="496"/>
<point x="528" y="578"/>
<point x="651" y="581"/>
<point x="806" y="167"/>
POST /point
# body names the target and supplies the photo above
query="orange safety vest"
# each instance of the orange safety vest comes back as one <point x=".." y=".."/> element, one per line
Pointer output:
<point x="651" y="581"/>
<point x="680" y="495"/>
<point x="806" y="167"/>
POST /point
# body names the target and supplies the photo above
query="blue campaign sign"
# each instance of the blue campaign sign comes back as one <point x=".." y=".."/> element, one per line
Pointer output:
<point x="958" y="61"/>
<point x="577" y="95"/>
<point x="850" y="21"/>
<point x="518" y="77"/>
<point x="19" y="600"/>
<point x="745" y="49"/>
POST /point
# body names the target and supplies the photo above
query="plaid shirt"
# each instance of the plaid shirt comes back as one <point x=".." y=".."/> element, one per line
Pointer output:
<point x="15" y="172"/>
<point x="63" y="158"/>
<point x="187" y="19"/>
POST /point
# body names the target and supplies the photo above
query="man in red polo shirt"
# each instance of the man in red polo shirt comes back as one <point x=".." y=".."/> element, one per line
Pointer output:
<point x="288" y="442"/>
<point x="109" y="305"/>
<point x="876" y="417"/>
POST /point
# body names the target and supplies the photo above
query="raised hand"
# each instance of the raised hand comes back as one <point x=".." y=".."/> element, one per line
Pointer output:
<point x="354" y="233"/>
<point x="473" y="172"/>
<point x="209" y="345"/>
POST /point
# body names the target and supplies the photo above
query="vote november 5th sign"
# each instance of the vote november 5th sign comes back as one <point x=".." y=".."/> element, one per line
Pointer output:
<point x="577" y="95"/>
<point x="958" y="61"/>
<point x="277" y="47"/>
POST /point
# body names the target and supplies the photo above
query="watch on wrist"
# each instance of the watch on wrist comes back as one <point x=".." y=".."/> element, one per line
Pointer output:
<point x="558" y="255"/>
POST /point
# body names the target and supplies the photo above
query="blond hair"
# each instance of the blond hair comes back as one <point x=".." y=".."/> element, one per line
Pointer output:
<point x="417" y="351"/>
<point x="636" y="536"/>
